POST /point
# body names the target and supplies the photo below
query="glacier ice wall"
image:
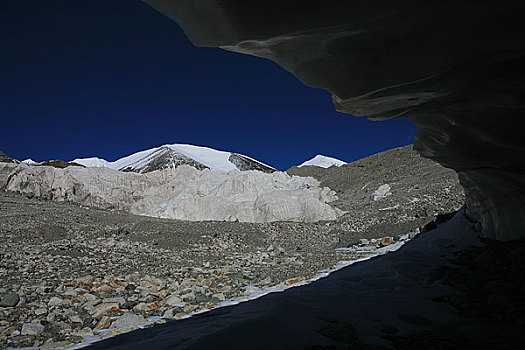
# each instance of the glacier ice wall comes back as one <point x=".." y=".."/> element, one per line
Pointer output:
<point x="183" y="193"/>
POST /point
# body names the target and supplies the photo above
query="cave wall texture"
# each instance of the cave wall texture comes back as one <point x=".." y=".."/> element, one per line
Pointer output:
<point x="455" y="68"/>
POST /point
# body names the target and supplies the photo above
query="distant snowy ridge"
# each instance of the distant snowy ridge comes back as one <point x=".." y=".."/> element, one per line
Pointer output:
<point x="171" y="156"/>
<point x="322" y="161"/>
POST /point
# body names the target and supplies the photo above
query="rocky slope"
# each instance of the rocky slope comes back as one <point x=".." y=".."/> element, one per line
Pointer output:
<point x="163" y="158"/>
<point x="417" y="189"/>
<point x="183" y="193"/>
<point x="56" y="163"/>
<point x="4" y="158"/>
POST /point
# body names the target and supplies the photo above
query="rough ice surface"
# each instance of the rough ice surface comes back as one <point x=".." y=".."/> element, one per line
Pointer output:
<point x="183" y="193"/>
<point x="322" y="161"/>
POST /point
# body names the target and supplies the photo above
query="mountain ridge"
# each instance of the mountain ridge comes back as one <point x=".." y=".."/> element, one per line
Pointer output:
<point x="174" y="155"/>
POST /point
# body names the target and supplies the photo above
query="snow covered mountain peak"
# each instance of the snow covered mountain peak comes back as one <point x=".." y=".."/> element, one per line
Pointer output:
<point x="171" y="156"/>
<point x="322" y="161"/>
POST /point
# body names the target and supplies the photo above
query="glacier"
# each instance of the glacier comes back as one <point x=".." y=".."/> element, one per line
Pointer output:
<point x="183" y="193"/>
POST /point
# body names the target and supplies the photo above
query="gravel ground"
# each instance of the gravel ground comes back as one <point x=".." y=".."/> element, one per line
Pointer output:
<point x="75" y="270"/>
<point x="70" y="272"/>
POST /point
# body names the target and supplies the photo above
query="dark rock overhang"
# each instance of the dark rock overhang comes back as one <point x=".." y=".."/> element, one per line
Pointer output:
<point x="456" y="68"/>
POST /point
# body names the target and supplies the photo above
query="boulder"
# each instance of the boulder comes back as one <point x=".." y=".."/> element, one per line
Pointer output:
<point x="9" y="300"/>
<point x="32" y="329"/>
<point x="385" y="241"/>
<point x="128" y="320"/>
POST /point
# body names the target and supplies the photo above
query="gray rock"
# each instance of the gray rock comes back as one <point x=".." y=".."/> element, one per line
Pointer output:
<point x="32" y="329"/>
<point x="90" y="297"/>
<point x="75" y="318"/>
<point x="130" y="287"/>
<point x="149" y="298"/>
<point x="9" y="300"/>
<point x="55" y="301"/>
<point x="70" y="292"/>
<point x="173" y="301"/>
<point x="63" y="325"/>
<point x="140" y="307"/>
<point x="41" y="311"/>
<point x="188" y="297"/>
<point x="169" y="314"/>
<point x="129" y="319"/>
<point x="51" y="345"/>
<point x="119" y="300"/>
<point x="201" y="298"/>
<point x="218" y="297"/>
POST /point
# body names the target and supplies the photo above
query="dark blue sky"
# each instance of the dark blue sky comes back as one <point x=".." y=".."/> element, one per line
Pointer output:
<point x="109" y="78"/>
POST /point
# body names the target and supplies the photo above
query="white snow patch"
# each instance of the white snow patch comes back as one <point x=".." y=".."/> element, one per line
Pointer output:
<point x="29" y="161"/>
<point x="322" y="161"/>
<point x="93" y="162"/>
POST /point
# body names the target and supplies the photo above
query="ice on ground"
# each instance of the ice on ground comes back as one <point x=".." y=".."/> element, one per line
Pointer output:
<point x="382" y="192"/>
